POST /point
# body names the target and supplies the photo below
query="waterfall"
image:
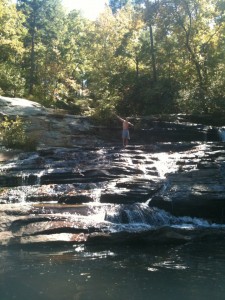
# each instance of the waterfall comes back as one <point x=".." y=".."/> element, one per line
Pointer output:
<point x="25" y="178"/>
<point x="96" y="194"/>
<point x="39" y="176"/>
<point x="139" y="215"/>
<point x="222" y="134"/>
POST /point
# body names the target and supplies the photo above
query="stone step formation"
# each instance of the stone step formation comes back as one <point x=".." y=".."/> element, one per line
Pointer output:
<point x="81" y="186"/>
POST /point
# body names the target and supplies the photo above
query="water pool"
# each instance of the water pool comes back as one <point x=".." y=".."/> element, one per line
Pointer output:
<point x="158" y="272"/>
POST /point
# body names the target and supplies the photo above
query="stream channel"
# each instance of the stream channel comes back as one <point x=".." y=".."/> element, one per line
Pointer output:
<point x="78" y="224"/>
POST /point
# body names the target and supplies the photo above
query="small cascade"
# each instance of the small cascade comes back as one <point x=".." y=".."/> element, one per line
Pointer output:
<point x="205" y="136"/>
<point x="39" y="176"/>
<point x="32" y="178"/>
<point x="18" y="195"/>
<point x="139" y="214"/>
<point x="25" y="179"/>
<point x="96" y="195"/>
<point x="23" y="197"/>
<point x="166" y="163"/>
<point x="222" y="134"/>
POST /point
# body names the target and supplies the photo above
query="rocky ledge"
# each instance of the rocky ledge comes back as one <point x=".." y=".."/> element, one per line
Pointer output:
<point x="91" y="190"/>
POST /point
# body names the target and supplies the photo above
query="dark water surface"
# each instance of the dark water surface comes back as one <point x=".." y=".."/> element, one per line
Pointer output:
<point x="193" y="270"/>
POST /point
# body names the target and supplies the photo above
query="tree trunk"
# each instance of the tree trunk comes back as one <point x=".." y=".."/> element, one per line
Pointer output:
<point x="149" y="10"/>
<point x="32" y="57"/>
<point x="152" y="50"/>
<point x="137" y="66"/>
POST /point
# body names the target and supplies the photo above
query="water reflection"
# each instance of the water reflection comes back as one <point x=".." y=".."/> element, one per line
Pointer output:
<point x="189" y="271"/>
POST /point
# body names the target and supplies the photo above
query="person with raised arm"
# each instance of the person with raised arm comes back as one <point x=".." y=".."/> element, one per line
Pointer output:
<point x="125" y="132"/>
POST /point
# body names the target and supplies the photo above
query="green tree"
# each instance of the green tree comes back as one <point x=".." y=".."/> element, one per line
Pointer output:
<point x="11" y="49"/>
<point x="13" y="134"/>
<point x="74" y="60"/>
<point x="194" y="28"/>
<point x="151" y="92"/>
<point x="115" y="57"/>
<point x="116" y="5"/>
<point x="139" y="56"/>
<point x="185" y="49"/>
<point x="45" y="25"/>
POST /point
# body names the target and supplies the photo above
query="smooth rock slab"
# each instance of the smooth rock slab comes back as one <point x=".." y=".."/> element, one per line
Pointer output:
<point x="199" y="193"/>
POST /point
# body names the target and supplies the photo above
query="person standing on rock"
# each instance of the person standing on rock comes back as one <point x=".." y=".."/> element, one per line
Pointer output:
<point x="125" y="133"/>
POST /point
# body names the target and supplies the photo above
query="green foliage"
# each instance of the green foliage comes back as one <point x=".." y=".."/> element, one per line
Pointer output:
<point x="11" y="50"/>
<point x="117" y="4"/>
<point x="103" y="115"/>
<point x="147" y="97"/>
<point x="11" y="81"/>
<point x="14" y="136"/>
<point x="138" y="57"/>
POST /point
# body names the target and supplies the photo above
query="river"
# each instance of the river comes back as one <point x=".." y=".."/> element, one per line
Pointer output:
<point x="169" y="271"/>
<point x="172" y="258"/>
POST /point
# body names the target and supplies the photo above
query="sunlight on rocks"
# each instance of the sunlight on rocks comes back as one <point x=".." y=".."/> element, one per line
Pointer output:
<point x="166" y="162"/>
<point x="96" y="194"/>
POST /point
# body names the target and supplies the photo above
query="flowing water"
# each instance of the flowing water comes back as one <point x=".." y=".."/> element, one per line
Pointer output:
<point x="222" y="133"/>
<point x="188" y="271"/>
<point x="183" y="258"/>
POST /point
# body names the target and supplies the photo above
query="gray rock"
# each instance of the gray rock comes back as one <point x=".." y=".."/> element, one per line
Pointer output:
<point x="199" y="192"/>
<point x="20" y="107"/>
<point x="80" y="186"/>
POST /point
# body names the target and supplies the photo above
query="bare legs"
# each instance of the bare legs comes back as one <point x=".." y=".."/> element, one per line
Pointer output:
<point x="125" y="142"/>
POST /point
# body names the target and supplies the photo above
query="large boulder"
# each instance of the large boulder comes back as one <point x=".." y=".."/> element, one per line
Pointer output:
<point x="48" y="126"/>
<point x="20" y="107"/>
<point x="199" y="192"/>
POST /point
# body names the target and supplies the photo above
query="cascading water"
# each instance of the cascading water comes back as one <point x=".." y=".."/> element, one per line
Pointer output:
<point x="67" y="213"/>
<point x="38" y="177"/>
<point x="139" y="217"/>
<point x="141" y="213"/>
<point x="96" y="194"/>
<point x="222" y="134"/>
<point x="111" y="195"/>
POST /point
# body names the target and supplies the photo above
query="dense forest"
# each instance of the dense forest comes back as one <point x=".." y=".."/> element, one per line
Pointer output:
<point x="139" y="57"/>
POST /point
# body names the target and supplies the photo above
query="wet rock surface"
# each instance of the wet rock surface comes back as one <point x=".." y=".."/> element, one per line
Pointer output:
<point x="91" y="190"/>
<point x="198" y="191"/>
<point x="86" y="195"/>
